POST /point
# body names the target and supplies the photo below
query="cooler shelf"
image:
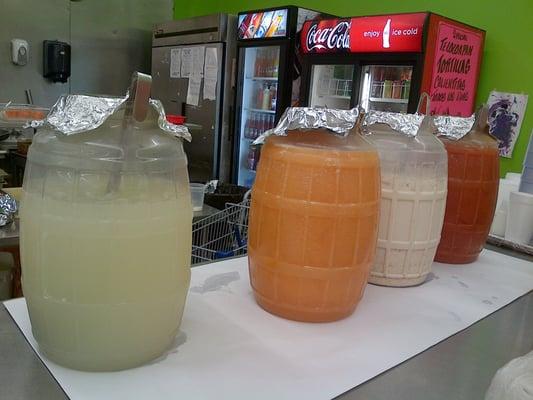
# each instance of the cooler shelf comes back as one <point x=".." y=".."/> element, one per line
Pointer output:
<point x="263" y="78"/>
<point x="260" y="110"/>
<point x="388" y="100"/>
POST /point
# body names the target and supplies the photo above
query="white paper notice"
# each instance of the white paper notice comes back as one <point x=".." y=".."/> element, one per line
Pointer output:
<point x="193" y="91"/>
<point x="211" y="63"/>
<point x="198" y="55"/>
<point x="210" y="73"/>
<point x="186" y="61"/>
<point x="210" y="89"/>
<point x="175" y="63"/>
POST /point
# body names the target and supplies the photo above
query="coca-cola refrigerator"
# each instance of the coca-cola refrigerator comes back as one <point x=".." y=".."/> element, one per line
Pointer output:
<point x="267" y="78"/>
<point x="385" y="62"/>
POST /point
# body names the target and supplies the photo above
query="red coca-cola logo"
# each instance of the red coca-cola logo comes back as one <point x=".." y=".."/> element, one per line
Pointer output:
<point x="321" y="36"/>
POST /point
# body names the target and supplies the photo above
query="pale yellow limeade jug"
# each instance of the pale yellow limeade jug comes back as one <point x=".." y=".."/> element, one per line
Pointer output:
<point x="106" y="231"/>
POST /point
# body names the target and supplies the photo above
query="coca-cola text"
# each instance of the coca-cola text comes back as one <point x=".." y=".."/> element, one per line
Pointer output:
<point x="320" y="38"/>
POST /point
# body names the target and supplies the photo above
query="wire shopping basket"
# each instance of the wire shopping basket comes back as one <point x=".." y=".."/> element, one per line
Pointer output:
<point x="223" y="234"/>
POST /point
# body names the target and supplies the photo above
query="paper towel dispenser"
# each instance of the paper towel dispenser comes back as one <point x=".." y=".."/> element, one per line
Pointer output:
<point x="56" y="60"/>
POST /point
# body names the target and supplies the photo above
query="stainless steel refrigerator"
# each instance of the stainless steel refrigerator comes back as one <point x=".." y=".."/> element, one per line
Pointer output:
<point x="193" y="69"/>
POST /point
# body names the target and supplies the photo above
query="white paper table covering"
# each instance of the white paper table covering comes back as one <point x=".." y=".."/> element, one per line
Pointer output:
<point x="232" y="349"/>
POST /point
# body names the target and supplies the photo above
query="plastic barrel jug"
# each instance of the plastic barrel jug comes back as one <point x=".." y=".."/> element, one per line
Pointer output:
<point x="105" y="240"/>
<point x="473" y="177"/>
<point x="413" y="199"/>
<point x="313" y="224"/>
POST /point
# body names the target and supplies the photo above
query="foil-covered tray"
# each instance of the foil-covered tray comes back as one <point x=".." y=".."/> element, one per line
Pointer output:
<point x="339" y="122"/>
<point x="408" y="124"/>
<point x="8" y="208"/>
<point x="73" y="114"/>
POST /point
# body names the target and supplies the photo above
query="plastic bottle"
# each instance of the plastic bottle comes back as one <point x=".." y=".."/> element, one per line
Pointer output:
<point x="265" y="104"/>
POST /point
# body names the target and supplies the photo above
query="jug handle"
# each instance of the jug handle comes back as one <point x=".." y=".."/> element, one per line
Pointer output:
<point x="139" y="96"/>
<point x="358" y="130"/>
<point x="423" y="96"/>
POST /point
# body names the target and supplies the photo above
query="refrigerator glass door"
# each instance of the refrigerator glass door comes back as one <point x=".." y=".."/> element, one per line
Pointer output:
<point x="331" y="86"/>
<point x="259" y="68"/>
<point x="385" y="87"/>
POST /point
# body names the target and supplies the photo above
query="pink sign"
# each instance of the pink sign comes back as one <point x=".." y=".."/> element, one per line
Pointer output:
<point x="455" y="70"/>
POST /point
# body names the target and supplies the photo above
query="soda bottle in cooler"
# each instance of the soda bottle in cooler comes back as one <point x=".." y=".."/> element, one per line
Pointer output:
<point x="257" y="131"/>
<point x="250" y="160"/>
<point x="266" y="98"/>
<point x="259" y="97"/>
<point x="256" y="64"/>
<point x="273" y="94"/>
<point x="259" y="62"/>
<point x="253" y="126"/>
<point x="275" y="63"/>
<point x="262" y="124"/>
<point x="246" y="132"/>
<point x="272" y="122"/>
<point x="268" y="63"/>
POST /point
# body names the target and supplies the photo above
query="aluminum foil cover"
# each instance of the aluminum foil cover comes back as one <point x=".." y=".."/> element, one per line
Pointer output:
<point x="408" y="124"/>
<point x="339" y="122"/>
<point x="8" y="208"/>
<point x="73" y="114"/>
<point x="454" y="128"/>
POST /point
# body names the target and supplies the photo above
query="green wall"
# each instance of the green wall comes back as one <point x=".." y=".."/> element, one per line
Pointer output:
<point x="508" y="56"/>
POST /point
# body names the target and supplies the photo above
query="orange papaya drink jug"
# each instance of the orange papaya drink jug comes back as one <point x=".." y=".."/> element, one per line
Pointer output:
<point x="313" y="221"/>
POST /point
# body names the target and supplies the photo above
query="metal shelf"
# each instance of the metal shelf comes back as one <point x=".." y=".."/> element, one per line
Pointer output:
<point x="388" y="100"/>
<point x="334" y="96"/>
<point x="260" y="110"/>
<point x="263" y="78"/>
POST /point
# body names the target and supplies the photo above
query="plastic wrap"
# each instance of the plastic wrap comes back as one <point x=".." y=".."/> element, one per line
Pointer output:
<point x="73" y="114"/>
<point x="339" y="122"/>
<point x="514" y="381"/>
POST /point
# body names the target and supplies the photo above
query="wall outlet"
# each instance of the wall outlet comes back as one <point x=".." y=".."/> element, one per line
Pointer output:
<point x="19" y="51"/>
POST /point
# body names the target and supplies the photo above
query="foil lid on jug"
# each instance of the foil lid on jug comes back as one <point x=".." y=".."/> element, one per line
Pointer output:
<point x="8" y="208"/>
<point x="454" y="128"/>
<point x="73" y="114"/>
<point x="340" y="122"/>
<point x="408" y="124"/>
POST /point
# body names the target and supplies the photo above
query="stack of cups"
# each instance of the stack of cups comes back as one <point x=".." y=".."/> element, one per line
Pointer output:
<point x="507" y="185"/>
<point x="519" y="224"/>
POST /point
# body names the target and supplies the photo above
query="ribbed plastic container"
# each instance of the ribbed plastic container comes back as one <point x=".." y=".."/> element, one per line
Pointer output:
<point x="473" y="177"/>
<point x="106" y="243"/>
<point x="313" y="224"/>
<point x="413" y="199"/>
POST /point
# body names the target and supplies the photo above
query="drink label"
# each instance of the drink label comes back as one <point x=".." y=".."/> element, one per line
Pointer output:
<point x="392" y="33"/>
<point x="327" y="35"/>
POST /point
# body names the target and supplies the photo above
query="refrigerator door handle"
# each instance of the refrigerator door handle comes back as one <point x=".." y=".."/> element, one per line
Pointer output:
<point x="233" y="72"/>
<point x="231" y="124"/>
